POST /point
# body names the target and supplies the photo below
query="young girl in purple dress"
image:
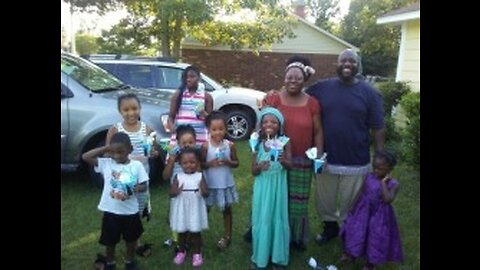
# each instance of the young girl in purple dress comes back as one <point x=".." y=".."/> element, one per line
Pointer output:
<point x="371" y="229"/>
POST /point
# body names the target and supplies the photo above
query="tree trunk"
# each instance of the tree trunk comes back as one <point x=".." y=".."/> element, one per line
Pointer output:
<point x="164" y="34"/>
<point x="177" y="38"/>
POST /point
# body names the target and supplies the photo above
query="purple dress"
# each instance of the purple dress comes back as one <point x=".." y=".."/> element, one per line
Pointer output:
<point x="371" y="229"/>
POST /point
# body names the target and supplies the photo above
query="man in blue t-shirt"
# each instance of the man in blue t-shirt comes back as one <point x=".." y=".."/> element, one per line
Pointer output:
<point x="350" y="110"/>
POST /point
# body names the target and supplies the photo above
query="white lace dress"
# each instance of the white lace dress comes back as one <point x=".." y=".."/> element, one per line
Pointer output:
<point x="188" y="211"/>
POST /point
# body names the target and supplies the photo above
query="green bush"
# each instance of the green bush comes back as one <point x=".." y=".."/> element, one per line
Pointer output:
<point x="411" y="135"/>
<point x="392" y="92"/>
<point x="393" y="137"/>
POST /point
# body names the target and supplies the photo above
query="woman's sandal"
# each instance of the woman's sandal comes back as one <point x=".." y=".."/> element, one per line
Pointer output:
<point x="100" y="262"/>
<point x="224" y="242"/>
<point x="144" y="250"/>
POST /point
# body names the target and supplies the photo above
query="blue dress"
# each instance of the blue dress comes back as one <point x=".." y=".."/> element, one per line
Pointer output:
<point x="270" y="228"/>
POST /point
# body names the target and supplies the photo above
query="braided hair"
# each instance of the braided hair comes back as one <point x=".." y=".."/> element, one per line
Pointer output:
<point x="301" y="63"/>
<point x="184" y="129"/>
<point x="125" y="97"/>
<point x="183" y="85"/>
<point x="387" y="156"/>
<point x="188" y="150"/>
<point x="215" y="115"/>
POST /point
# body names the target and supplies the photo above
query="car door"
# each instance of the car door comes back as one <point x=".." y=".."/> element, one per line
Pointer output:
<point x="66" y="94"/>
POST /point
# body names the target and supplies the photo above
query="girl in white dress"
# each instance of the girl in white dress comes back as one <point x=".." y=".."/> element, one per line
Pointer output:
<point x="188" y="210"/>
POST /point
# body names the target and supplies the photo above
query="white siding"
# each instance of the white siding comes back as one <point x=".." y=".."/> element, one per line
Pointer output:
<point x="307" y="40"/>
<point x="410" y="66"/>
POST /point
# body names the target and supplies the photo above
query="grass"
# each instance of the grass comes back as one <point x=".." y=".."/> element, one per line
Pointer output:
<point x="80" y="226"/>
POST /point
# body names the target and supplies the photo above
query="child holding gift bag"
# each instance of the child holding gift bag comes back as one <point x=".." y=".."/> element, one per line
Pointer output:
<point x="270" y="228"/>
<point x="123" y="180"/>
<point x="185" y="137"/>
<point x="139" y="133"/>
<point x="188" y="211"/>
<point x="219" y="156"/>
<point x="190" y="104"/>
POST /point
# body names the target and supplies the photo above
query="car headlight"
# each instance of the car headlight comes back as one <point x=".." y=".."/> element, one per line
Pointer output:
<point x="164" y="119"/>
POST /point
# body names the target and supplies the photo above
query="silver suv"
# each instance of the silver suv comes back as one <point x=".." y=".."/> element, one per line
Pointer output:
<point x="89" y="107"/>
<point x="239" y="104"/>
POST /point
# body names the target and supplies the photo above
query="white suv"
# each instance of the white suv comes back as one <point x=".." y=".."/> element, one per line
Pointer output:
<point x="239" y="104"/>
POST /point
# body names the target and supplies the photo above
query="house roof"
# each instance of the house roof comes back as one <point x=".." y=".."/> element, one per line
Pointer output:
<point x="307" y="41"/>
<point x="326" y="33"/>
<point x="411" y="12"/>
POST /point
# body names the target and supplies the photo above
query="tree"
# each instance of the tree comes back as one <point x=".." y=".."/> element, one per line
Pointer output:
<point x="378" y="44"/>
<point x="170" y="20"/>
<point x="86" y="43"/>
<point x="129" y="36"/>
<point x="323" y="11"/>
<point x="64" y="42"/>
<point x="166" y="23"/>
<point x="100" y="6"/>
<point x="269" y="25"/>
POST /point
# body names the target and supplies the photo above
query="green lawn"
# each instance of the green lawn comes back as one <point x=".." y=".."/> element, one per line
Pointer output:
<point x="81" y="226"/>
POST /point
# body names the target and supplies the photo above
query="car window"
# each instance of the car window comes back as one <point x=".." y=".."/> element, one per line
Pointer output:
<point x="88" y="74"/>
<point x="65" y="92"/>
<point x="208" y="87"/>
<point x="137" y="75"/>
<point x="170" y="78"/>
<point x="108" y="67"/>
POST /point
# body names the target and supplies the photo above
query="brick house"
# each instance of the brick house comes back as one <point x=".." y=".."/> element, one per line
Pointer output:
<point x="266" y="71"/>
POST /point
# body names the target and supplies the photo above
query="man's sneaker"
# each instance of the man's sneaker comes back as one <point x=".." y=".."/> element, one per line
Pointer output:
<point x="197" y="260"/>
<point x="324" y="238"/>
<point x="112" y="266"/>
<point x="131" y="266"/>
<point x="180" y="257"/>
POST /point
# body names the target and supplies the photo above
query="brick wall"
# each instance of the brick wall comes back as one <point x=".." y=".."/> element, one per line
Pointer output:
<point x="263" y="72"/>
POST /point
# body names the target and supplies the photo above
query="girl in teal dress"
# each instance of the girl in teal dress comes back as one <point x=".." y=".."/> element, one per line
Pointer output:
<point x="270" y="228"/>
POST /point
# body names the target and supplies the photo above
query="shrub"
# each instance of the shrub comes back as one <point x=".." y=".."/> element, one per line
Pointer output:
<point x="392" y="92"/>
<point x="411" y="135"/>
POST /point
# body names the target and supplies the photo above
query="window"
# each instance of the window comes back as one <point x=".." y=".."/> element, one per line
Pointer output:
<point x="170" y="78"/>
<point x="208" y="87"/>
<point x="65" y="92"/>
<point x="136" y="75"/>
<point x="88" y="74"/>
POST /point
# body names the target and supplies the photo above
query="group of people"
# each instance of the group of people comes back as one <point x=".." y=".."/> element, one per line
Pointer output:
<point x="338" y="116"/>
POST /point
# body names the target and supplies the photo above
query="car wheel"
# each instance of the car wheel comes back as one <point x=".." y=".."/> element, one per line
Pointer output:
<point x="239" y="125"/>
<point x="97" y="178"/>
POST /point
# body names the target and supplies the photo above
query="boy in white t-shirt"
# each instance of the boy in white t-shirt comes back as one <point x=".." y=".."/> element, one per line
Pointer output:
<point x="123" y="178"/>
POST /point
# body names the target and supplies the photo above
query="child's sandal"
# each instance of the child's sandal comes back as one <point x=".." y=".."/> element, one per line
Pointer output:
<point x="223" y="243"/>
<point x="144" y="250"/>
